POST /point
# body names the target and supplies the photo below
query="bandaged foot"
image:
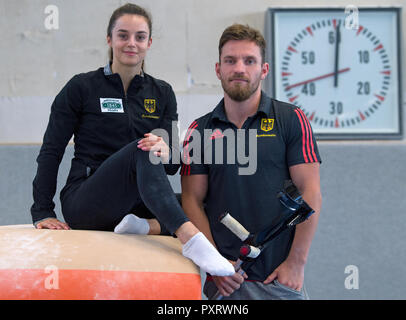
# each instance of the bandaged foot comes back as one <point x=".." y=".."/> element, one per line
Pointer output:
<point x="132" y="224"/>
<point x="205" y="255"/>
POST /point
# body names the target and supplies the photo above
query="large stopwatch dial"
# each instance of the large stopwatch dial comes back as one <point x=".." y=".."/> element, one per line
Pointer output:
<point x="342" y="78"/>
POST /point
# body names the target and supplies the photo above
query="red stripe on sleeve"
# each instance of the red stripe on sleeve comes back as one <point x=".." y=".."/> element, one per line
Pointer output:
<point x="313" y="153"/>
<point x="189" y="132"/>
<point x="311" y="141"/>
<point x="186" y="156"/>
<point x="309" y="138"/>
<point x="303" y="136"/>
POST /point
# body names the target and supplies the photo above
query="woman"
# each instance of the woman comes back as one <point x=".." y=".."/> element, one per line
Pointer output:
<point x="111" y="113"/>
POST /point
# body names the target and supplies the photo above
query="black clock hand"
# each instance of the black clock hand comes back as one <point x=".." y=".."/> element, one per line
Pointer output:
<point x="338" y="40"/>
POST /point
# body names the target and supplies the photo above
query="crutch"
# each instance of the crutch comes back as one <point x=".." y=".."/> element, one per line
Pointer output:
<point x="253" y="244"/>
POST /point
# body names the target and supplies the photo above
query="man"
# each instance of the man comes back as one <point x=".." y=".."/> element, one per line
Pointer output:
<point x="286" y="149"/>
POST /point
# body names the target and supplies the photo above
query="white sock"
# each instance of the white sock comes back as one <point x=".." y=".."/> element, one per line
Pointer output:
<point x="205" y="255"/>
<point x="132" y="224"/>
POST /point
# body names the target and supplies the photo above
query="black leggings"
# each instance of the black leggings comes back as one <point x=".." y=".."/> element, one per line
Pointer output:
<point x="127" y="180"/>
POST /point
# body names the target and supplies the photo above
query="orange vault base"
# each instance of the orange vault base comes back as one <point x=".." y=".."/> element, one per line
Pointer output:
<point x="84" y="265"/>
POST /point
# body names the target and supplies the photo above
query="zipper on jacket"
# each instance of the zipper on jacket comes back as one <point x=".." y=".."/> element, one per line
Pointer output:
<point x="127" y="109"/>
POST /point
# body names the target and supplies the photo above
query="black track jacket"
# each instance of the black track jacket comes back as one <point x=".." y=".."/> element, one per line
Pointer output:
<point x="94" y="108"/>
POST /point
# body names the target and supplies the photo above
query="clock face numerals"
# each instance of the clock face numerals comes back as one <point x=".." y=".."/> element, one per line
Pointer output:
<point x="345" y="80"/>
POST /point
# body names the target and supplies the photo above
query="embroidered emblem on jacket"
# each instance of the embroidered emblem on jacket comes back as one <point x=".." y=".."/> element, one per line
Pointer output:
<point x="267" y="124"/>
<point x="150" y="105"/>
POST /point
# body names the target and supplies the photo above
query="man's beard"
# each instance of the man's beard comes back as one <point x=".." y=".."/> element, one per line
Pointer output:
<point x="241" y="91"/>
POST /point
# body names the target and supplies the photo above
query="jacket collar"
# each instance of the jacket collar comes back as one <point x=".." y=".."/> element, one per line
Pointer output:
<point x="136" y="82"/>
<point x="107" y="70"/>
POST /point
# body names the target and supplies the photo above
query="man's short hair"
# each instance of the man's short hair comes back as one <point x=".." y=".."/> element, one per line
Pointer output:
<point x="243" y="32"/>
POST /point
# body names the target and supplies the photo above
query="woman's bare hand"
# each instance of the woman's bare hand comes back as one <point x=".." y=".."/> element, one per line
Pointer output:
<point x="156" y="144"/>
<point x="52" y="223"/>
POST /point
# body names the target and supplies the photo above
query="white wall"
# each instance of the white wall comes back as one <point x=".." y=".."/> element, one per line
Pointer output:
<point x="36" y="62"/>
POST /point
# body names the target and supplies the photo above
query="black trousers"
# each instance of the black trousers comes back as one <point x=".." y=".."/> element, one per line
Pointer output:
<point x="126" y="182"/>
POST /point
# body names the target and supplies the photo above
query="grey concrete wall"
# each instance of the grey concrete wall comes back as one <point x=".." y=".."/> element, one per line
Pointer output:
<point x="363" y="216"/>
<point x="362" y="222"/>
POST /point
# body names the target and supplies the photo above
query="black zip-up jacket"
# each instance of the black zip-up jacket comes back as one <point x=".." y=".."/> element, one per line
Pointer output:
<point x="94" y="108"/>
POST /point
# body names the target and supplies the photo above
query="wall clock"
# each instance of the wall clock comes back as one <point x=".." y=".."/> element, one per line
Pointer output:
<point x="345" y="75"/>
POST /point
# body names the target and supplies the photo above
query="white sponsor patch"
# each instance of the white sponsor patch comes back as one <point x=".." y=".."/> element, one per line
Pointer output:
<point x="111" y="105"/>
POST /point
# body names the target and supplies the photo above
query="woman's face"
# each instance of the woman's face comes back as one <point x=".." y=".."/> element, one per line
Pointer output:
<point x="130" y="40"/>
